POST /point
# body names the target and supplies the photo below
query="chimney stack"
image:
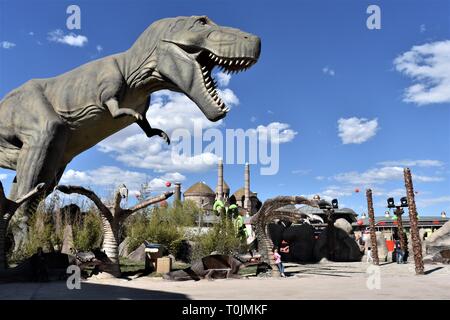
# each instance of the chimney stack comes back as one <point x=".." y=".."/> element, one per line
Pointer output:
<point x="247" y="203"/>
<point x="220" y="180"/>
<point x="177" y="191"/>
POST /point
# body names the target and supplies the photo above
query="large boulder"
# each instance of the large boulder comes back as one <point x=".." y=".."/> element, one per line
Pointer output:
<point x="438" y="245"/>
<point x="67" y="244"/>
<point x="123" y="248"/>
<point x="138" y="255"/>
<point x="336" y="245"/>
<point x="343" y="224"/>
<point x="299" y="238"/>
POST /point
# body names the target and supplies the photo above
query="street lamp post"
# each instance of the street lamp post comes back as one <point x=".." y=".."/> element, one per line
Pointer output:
<point x="398" y="213"/>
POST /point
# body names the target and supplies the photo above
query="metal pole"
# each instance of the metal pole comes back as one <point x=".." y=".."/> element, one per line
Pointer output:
<point x="414" y="228"/>
<point x="373" y="235"/>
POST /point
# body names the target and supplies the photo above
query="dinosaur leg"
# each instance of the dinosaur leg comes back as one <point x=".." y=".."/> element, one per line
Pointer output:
<point x="44" y="136"/>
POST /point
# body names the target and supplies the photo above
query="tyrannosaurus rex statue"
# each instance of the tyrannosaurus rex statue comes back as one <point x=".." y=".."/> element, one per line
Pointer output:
<point x="45" y="123"/>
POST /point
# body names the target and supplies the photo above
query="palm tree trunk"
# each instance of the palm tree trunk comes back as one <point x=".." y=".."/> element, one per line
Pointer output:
<point x="111" y="246"/>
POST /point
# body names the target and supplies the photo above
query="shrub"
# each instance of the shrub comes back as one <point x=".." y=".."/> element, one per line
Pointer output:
<point x="221" y="238"/>
<point x="161" y="225"/>
<point x="87" y="233"/>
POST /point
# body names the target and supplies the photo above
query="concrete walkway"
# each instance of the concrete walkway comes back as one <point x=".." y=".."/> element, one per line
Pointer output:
<point x="313" y="281"/>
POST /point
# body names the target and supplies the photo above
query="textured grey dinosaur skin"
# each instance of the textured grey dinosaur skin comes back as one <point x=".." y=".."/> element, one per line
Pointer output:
<point x="45" y="123"/>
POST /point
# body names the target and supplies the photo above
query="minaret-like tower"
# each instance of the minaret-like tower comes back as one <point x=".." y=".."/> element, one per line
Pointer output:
<point x="177" y="191"/>
<point x="220" y="180"/>
<point x="247" y="202"/>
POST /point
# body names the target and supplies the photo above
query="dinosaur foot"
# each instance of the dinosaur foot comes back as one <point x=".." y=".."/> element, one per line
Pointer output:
<point x="159" y="132"/>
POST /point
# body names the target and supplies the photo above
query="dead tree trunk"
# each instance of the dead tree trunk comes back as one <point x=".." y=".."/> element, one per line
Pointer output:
<point x="373" y="235"/>
<point x="265" y="215"/>
<point x="7" y="210"/>
<point x="400" y="232"/>
<point x="112" y="218"/>
<point x="414" y="228"/>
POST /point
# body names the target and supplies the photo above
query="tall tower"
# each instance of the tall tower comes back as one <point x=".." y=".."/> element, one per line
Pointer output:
<point x="247" y="202"/>
<point x="220" y="180"/>
<point x="177" y="191"/>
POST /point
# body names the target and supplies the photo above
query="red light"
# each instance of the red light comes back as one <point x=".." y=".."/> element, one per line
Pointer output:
<point x="356" y="190"/>
<point x="168" y="184"/>
<point x="360" y="222"/>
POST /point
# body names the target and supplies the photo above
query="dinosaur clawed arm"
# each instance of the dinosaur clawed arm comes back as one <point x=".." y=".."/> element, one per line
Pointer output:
<point x="117" y="112"/>
<point x="150" y="132"/>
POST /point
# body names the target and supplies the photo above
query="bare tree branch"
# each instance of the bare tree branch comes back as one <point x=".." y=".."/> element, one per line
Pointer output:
<point x="147" y="202"/>
<point x="89" y="194"/>
<point x="9" y="207"/>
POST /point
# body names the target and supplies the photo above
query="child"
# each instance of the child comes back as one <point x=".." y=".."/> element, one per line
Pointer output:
<point x="277" y="257"/>
<point x="369" y="254"/>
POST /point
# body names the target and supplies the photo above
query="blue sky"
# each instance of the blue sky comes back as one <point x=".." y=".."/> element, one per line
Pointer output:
<point x="356" y="104"/>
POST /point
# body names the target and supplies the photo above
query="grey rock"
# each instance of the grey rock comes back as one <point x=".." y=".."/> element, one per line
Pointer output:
<point x="138" y="255"/>
<point x="343" y="224"/>
<point x="438" y="245"/>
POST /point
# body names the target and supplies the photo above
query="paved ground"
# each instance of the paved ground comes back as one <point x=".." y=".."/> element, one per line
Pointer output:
<point x="318" y="281"/>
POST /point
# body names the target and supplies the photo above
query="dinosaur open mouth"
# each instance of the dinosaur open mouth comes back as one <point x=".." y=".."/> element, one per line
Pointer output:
<point x="208" y="60"/>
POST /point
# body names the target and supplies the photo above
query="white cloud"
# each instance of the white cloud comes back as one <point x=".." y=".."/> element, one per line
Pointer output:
<point x="70" y="39"/>
<point x="168" y="111"/>
<point x="7" y="45"/>
<point x="328" y="71"/>
<point x="223" y="79"/>
<point x="357" y="130"/>
<point x="3" y="176"/>
<point x="270" y="112"/>
<point x="429" y="67"/>
<point x="276" y="132"/>
<point x="422" y="28"/>
<point x="253" y="119"/>
<point x="433" y="201"/>
<point x="99" y="48"/>
<point x="413" y="163"/>
<point x="228" y="96"/>
<point x="112" y="177"/>
<point x="379" y="176"/>
<point x="301" y="172"/>
<point x="31" y="33"/>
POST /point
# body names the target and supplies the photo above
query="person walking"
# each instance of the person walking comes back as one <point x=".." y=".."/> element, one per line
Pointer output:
<point x="278" y="262"/>
<point x="369" y="254"/>
<point x="399" y="252"/>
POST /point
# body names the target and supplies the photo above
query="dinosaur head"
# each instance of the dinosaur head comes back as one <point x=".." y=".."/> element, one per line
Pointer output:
<point x="188" y="50"/>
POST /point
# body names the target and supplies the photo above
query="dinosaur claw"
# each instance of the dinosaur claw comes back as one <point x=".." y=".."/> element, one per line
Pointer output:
<point x="165" y="137"/>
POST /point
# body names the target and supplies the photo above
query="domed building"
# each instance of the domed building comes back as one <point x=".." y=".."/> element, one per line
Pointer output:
<point x="201" y="194"/>
<point x="238" y="197"/>
<point x="205" y="197"/>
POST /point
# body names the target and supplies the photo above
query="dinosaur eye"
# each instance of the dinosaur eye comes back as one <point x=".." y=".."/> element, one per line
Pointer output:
<point x="202" y="21"/>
